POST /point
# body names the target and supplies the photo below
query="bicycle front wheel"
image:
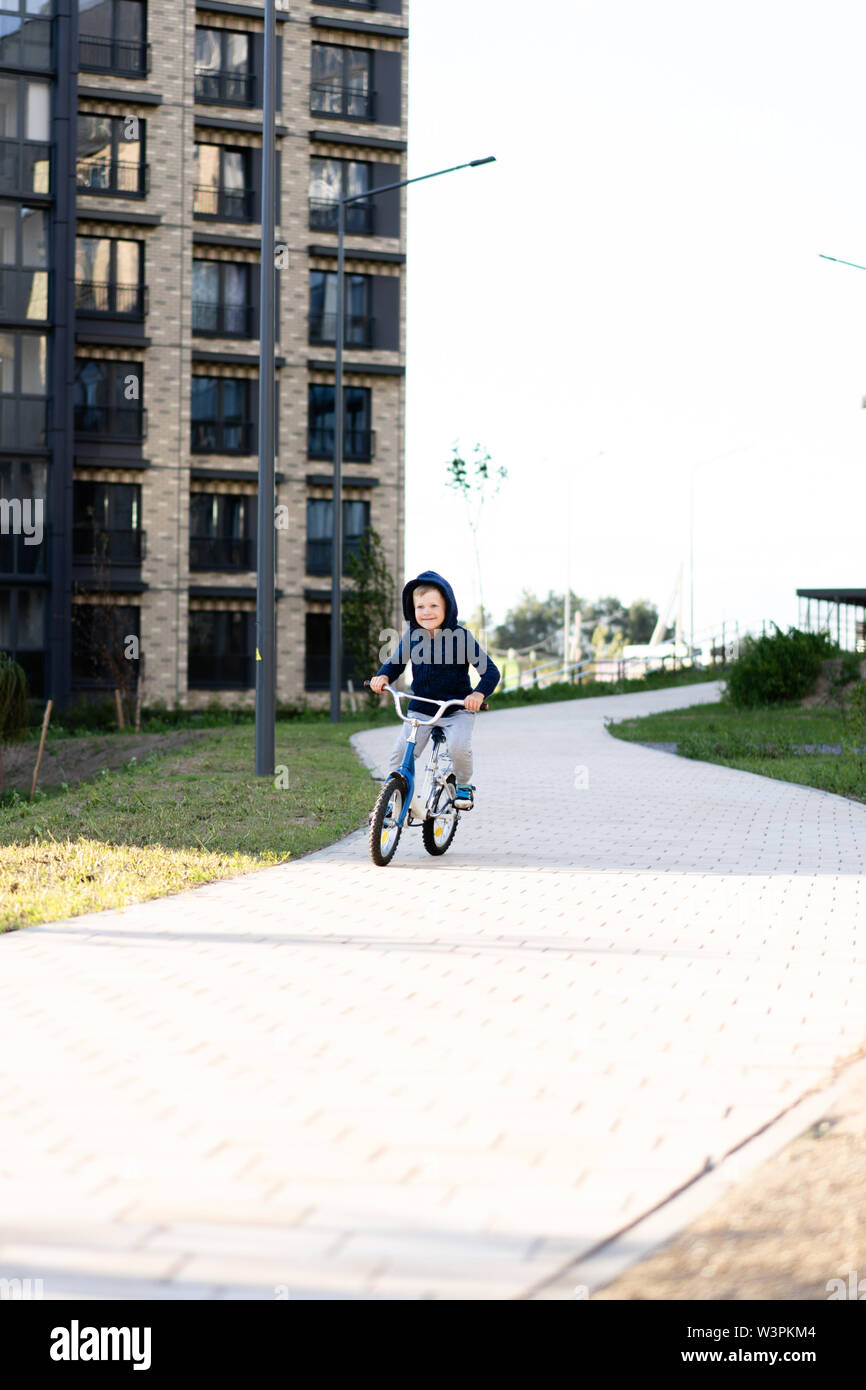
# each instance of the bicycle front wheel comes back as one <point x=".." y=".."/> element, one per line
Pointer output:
<point x="384" y="830"/>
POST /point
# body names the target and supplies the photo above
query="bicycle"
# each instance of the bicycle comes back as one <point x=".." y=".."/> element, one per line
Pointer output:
<point x="399" y="803"/>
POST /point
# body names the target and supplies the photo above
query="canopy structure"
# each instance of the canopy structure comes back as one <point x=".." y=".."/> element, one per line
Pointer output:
<point x="841" y="612"/>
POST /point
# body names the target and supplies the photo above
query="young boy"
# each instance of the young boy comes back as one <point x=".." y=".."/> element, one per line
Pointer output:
<point x="441" y="654"/>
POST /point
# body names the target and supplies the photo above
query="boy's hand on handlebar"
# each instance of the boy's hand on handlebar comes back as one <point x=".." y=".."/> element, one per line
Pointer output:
<point x="474" y="702"/>
<point x="378" y="683"/>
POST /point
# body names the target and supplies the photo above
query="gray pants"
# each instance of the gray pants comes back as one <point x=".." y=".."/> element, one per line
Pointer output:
<point x="458" y="741"/>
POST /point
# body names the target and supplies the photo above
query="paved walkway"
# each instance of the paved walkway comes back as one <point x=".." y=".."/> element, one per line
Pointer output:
<point x="446" y="1078"/>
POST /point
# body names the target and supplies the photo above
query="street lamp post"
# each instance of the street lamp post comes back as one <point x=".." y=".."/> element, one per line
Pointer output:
<point x="337" y="546"/>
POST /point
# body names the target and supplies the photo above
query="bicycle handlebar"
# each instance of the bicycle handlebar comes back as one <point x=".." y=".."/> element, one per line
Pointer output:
<point x="442" y="704"/>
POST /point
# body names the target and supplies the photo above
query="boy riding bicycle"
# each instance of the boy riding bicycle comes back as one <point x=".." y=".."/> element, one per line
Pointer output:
<point x="441" y="653"/>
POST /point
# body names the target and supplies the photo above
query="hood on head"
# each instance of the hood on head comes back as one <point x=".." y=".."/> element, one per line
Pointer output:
<point x="432" y="578"/>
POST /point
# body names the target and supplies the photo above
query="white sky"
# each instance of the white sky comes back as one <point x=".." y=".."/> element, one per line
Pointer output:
<point x="639" y="273"/>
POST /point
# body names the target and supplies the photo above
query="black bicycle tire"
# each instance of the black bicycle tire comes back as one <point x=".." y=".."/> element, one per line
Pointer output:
<point x="429" y="842"/>
<point x="377" y="819"/>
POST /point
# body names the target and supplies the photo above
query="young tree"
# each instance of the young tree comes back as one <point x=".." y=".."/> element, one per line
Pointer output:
<point x="13" y="706"/>
<point x="368" y="608"/>
<point x="475" y="486"/>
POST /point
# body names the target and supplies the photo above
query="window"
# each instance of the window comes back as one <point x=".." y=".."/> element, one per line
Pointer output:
<point x="358" y="325"/>
<point x="109" y="277"/>
<point x="220" y="650"/>
<point x="320" y="531"/>
<point x="23" y="262"/>
<point x="221" y="299"/>
<point x="23" y="389"/>
<point x="25" y="33"/>
<point x="223" y="67"/>
<point x="111" y="37"/>
<point x="25" y="152"/>
<point x="99" y="636"/>
<point x="220" y="416"/>
<point x="332" y="179"/>
<point x="22" y="633"/>
<point x="221" y="183"/>
<point x="341" y="83"/>
<point x="111" y="155"/>
<point x="220" y="531"/>
<point x="106" y="525"/>
<point x="108" y="399"/>
<point x="317" y="674"/>
<point x="357" y="435"/>
<point x="23" y="519"/>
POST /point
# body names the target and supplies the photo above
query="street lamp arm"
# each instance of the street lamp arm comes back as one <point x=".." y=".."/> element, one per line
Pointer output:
<point x="841" y="262"/>
<point x="388" y="187"/>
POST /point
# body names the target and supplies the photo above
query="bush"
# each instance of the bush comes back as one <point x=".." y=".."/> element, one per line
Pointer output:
<point x="777" y="668"/>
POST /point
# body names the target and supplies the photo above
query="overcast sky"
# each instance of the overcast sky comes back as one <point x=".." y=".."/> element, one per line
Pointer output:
<point x="639" y="274"/>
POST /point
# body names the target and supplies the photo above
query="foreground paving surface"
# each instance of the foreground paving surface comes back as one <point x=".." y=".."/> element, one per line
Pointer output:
<point x="443" y="1079"/>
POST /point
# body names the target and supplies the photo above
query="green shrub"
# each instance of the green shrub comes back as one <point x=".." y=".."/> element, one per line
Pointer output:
<point x="777" y="668"/>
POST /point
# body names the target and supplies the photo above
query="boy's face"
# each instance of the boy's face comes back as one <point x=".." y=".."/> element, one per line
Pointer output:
<point x="430" y="610"/>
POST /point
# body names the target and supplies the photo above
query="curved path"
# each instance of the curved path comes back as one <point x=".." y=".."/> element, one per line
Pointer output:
<point x="447" y="1078"/>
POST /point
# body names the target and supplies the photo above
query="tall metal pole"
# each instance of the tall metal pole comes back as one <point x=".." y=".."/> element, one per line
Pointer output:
<point x="337" y="506"/>
<point x="265" y="599"/>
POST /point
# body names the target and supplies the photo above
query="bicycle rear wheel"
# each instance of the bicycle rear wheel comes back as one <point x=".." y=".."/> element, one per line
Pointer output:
<point x="384" y="831"/>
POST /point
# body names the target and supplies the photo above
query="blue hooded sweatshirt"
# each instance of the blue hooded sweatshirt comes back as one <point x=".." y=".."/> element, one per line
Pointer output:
<point x="441" y="660"/>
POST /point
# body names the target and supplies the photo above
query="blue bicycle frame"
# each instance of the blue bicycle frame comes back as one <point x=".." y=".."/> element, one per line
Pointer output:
<point x="407" y="767"/>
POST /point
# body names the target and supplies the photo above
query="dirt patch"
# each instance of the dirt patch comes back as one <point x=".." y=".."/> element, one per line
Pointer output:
<point x="824" y="694"/>
<point x="73" y="760"/>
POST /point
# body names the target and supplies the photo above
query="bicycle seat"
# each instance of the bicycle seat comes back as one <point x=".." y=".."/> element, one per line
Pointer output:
<point x="437" y="734"/>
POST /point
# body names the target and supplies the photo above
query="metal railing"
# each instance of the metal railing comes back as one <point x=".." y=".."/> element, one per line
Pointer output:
<point x="221" y="437"/>
<point x="320" y="553"/>
<point x="112" y="176"/>
<point x="222" y="320"/>
<point x="122" y="301"/>
<point x="24" y="293"/>
<point x="358" y="445"/>
<point x="25" y="166"/>
<point x="120" y="422"/>
<point x="359" y="329"/>
<point x="224" y="87"/>
<point x="18" y="558"/>
<point x="228" y="204"/>
<point x="337" y="99"/>
<point x="221" y="553"/>
<point x="111" y="545"/>
<point x="126" y="56"/>
<point x="360" y="217"/>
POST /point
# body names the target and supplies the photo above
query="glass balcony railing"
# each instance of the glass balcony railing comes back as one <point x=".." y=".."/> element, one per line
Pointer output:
<point x="335" y="99"/>
<point x="227" y="204"/>
<point x="358" y="445"/>
<point x="320" y="553"/>
<point x="99" y="545"/>
<point x="359" y="221"/>
<point x="222" y="320"/>
<point x="221" y="437"/>
<point x="93" y="299"/>
<point x="114" y="422"/>
<point x="225" y="88"/>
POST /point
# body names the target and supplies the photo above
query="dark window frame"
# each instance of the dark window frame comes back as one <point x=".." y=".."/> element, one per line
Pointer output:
<point x="222" y="329"/>
<point x="360" y="216"/>
<point x="20" y="147"/>
<point x="213" y="645"/>
<point x="17" y="559"/>
<point x="137" y="50"/>
<point x="123" y="620"/>
<point x="358" y="328"/>
<point x="23" y="285"/>
<point x="31" y="659"/>
<point x="106" y="300"/>
<point x="28" y="409"/>
<point x="246" y="425"/>
<point x="358" y="441"/>
<point x="111" y="412"/>
<point x="224" y="75"/>
<point x="100" y="540"/>
<point x="317" y="656"/>
<point x="218" y="548"/>
<point x="318" y="559"/>
<point x="112" y="188"/>
<point x="346" y="93"/>
<point x="225" y="209"/>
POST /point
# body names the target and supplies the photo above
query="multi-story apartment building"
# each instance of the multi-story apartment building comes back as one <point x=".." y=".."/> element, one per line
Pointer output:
<point x="130" y="190"/>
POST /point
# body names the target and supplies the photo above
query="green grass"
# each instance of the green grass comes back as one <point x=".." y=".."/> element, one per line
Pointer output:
<point x="760" y="740"/>
<point x="178" y="819"/>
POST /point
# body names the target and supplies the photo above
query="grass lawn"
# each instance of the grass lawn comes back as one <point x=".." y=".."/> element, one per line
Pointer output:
<point x="763" y="741"/>
<point x="180" y="818"/>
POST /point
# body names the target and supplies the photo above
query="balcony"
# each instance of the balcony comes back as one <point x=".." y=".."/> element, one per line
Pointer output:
<point x="112" y="176"/>
<point x="125" y="57"/>
<point x="95" y="300"/>
<point x="25" y="166"/>
<point x="221" y="553"/>
<point x="358" y="329"/>
<point x="358" y="445"/>
<point x="333" y="99"/>
<point x="360" y="219"/>
<point x="225" y="88"/>
<point x="222" y="320"/>
<point x="116" y="422"/>
<point x="97" y="545"/>
<point x="24" y="294"/>
<point x="23" y="421"/>
<point x="225" y="204"/>
<point x="221" y="437"/>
